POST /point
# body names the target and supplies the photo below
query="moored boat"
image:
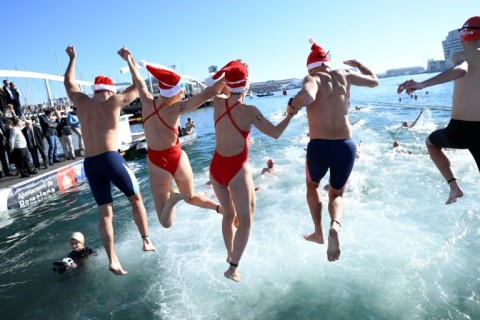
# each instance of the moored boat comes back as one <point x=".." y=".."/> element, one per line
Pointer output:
<point x="186" y="139"/>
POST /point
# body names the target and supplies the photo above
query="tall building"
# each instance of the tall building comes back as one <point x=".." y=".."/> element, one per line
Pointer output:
<point x="451" y="44"/>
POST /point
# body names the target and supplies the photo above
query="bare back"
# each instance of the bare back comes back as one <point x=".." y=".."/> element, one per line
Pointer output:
<point x="466" y="93"/>
<point x="229" y="141"/>
<point x="328" y="113"/>
<point x="99" y="117"/>
<point x="158" y="135"/>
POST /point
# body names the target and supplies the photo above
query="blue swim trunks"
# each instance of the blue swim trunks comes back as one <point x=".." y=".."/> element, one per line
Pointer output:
<point x="336" y="155"/>
<point x="106" y="168"/>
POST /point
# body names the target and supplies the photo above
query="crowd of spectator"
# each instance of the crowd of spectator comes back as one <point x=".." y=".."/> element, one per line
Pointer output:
<point x="25" y="129"/>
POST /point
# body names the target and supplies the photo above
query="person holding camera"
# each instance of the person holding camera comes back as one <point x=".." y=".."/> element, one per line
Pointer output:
<point x="49" y="131"/>
<point x="64" y="134"/>
<point x="78" y="253"/>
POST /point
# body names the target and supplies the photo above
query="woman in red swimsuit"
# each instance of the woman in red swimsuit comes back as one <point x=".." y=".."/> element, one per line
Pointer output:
<point x="166" y="159"/>
<point x="229" y="170"/>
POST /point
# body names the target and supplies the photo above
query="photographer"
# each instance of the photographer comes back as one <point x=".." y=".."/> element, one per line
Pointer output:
<point x="64" y="134"/>
<point x="49" y="131"/>
<point x="79" y="252"/>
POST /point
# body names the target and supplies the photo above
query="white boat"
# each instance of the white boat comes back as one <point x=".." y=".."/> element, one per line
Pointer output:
<point x="184" y="141"/>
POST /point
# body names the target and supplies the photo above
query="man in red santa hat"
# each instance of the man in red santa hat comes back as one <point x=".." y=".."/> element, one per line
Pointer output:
<point x="325" y="93"/>
<point x="99" y="117"/>
<point x="161" y="119"/>
<point x="463" y="130"/>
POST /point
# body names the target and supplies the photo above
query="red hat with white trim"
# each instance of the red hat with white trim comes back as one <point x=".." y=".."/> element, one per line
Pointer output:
<point x="169" y="82"/>
<point x="236" y="76"/>
<point x="470" y="30"/>
<point x="103" y="83"/>
<point x="317" y="57"/>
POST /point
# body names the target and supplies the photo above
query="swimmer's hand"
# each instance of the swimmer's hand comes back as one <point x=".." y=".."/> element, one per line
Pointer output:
<point x="409" y="86"/>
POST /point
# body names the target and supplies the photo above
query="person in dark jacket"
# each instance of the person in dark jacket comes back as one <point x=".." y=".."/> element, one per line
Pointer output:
<point x="34" y="136"/>
<point x="50" y="133"/>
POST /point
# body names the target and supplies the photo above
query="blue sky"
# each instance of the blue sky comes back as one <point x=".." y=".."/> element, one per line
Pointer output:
<point x="271" y="36"/>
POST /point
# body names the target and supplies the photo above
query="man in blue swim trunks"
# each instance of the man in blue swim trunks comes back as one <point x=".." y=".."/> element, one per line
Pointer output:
<point x="99" y="117"/>
<point x="463" y="130"/>
<point x="326" y="94"/>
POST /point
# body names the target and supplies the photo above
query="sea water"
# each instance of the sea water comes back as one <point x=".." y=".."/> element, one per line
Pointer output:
<point x="405" y="254"/>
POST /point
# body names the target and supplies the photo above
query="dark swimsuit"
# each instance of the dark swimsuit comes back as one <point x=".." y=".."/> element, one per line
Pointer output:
<point x="106" y="168"/>
<point x="168" y="159"/>
<point x="336" y="155"/>
<point x="459" y="134"/>
<point x="223" y="169"/>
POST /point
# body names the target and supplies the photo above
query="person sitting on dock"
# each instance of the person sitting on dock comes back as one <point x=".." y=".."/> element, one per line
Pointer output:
<point x="166" y="159"/>
<point x="189" y="126"/>
<point x="99" y="117"/>
<point x="230" y="171"/>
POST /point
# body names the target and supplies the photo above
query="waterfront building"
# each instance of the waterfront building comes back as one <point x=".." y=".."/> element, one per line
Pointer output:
<point x="451" y="44"/>
<point x="404" y="71"/>
<point x="435" y="65"/>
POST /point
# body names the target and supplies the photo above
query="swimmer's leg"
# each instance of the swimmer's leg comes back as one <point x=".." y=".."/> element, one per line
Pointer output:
<point x="106" y="234"/>
<point x="140" y="218"/>
<point x="336" y="209"/>
<point x="443" y="165"/>
<point x="315" y="205"/>
<point x="165" y="205"/>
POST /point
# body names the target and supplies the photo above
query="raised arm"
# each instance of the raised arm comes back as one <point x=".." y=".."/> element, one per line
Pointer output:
<point x="458" y="71"/>
<point x="128" y="95"/>
<point x="138" y="81"/>
<point x="199" y="99"/>
<point x="418" y="117"/>
<point x="266" y="127"/>
<point x="366" y="78"/>
<point x="73" y="91"/>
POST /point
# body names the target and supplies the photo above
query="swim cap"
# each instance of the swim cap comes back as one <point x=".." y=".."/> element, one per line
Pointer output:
<point x="78" y="236"/>
<point x="270" y="162"/>
<point x="471" y="29"/>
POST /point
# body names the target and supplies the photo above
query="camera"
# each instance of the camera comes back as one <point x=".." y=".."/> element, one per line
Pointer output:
<point x="59" y="267"/>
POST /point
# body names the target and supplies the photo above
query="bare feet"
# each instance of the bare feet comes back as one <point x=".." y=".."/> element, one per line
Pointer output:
<point x="232" y="274"/>
<point x="147" y="244"/>
<point x="117" y="269"/>
<point x="455" y="193"/>
<point x="333" y="250"/>
<point x="318" y="238"/>
<point x="176" y="197"/>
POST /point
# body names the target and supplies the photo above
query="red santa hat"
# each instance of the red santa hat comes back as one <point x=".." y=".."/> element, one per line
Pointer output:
<point x="169" y="82"/>
<point x="236" y="76"/>
<point x="103" y="83"/>
<point x="317" y="57"/>
<point x="470" y="30"/>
